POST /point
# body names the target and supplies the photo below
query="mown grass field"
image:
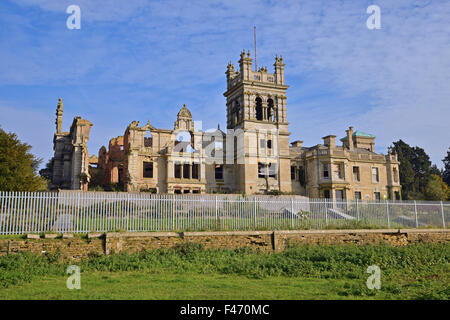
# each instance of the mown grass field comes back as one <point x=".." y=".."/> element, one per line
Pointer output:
<point x="418" y="271"/>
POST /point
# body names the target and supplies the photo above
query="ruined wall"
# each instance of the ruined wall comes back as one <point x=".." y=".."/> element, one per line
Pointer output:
<point x="76" y="247"/>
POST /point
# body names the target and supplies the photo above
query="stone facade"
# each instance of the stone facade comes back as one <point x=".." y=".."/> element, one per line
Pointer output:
<point x="350" y="171"/>
<point x="70" y="163"/>
<point x="254" y="155"/>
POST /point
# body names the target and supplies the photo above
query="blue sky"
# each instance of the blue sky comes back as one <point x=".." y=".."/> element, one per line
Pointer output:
<point x="140" y="60"/>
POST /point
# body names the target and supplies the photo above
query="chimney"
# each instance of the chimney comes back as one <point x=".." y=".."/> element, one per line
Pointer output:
<point x="329" y="141"/>
<point x="350" y="138"/>
<point x="297" y="144"/>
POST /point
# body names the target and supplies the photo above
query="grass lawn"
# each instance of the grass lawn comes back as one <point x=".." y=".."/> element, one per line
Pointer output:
<point x="192" y="272"/>
<point x="144" y="285"/>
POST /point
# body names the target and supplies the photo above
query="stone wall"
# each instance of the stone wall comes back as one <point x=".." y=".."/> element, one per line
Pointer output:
<point x="76" y="247"/>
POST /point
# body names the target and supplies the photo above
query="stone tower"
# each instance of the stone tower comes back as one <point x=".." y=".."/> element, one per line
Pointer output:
<point x="256" y="115"/>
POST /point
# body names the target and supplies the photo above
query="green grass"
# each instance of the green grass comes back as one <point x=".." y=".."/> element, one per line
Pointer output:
<point x="191" y="272"/>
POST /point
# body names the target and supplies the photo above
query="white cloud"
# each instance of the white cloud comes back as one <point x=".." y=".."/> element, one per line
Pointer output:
<point x="399" y="73"/>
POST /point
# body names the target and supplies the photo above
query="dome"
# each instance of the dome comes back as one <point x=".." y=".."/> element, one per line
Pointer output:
<point x="184" y="113"/>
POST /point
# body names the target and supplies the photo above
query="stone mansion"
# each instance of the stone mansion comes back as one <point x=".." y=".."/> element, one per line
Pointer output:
<point x="253" y="155"/>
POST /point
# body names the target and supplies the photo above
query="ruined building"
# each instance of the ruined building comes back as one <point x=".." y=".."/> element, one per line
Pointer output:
<point x="253" y="155"/>
<point x="70" y="163"/>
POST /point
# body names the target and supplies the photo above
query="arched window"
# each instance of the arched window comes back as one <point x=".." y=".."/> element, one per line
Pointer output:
<point x="270" y="110"/>
<point x="148" y="140"/>
<point x="258" y="109"/>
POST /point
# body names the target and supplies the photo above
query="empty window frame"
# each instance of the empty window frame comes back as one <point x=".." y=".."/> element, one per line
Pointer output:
<point x="218" y="171"/>
<point x="262" y="170"/>
<point x="258" y="109"/>
<point x="272" y="170"/>
<point x="301" y="175"/>
<point x="356" y="176"/>
<point x="147" y="169"/>
<point x="177" y="170"/>
<point x="148" y="139"/>
<point x="195" y="172"/>
<point x="325" y="170"/>
<point x="186" y="171"/>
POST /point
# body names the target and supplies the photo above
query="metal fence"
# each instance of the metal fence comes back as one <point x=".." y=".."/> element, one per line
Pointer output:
<point x="83" y="212"/>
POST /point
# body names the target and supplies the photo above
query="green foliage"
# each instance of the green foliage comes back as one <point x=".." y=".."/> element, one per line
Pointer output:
<point x="115" y="187"/>
<point x="446" y="171"/>
<point x="96" y="180"/>
<point x="332" y="261"/>
<point x="415" y="170"/>
<point x="24" y="267"/>
<point x="46" y="173"/>
<point x="418" y="271"/>
<point x="437" y="189"/>
<point x="18" y="166"/>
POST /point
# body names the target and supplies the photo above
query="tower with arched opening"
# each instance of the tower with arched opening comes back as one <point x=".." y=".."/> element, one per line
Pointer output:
<point x="256" y="111"/>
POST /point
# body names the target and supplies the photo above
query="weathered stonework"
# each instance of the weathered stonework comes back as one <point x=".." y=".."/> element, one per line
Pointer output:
<point x="77" y="248"/>
<point x="188" y="160"/>
<point x="70" y="163"/>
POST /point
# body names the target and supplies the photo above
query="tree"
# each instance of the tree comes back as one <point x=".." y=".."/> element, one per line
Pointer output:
<point x="436" y="189"/>
<point x="415" y="169"/>
<point x="435" y="170"/>
<point x="46" y="173"/>
<point x="18" y="167"/>
<point x="446" y="171"/>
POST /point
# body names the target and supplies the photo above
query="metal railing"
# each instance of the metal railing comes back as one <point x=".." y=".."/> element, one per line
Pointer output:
<point x="83" y="212"/>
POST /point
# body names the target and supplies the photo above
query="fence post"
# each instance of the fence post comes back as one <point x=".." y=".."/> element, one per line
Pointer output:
<point x="442" y="213"/>
<point x="387" y="213"/>
<point x="326" y="212"/>
<point x="173" y="211"/>
<point x="292" y="212"/>
<point x="415" y="214"/>
<point x="254" y="216"/>
<point x="217" y="216"/>
<point x="357" y="209"/>
<point x="128" y="211"/>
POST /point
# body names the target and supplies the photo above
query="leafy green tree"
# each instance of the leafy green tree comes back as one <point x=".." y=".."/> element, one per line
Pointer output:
<point x="435" y="170"/>
<point x="415" y="169"/>
<point x="18" y="167"/>
<point x="446" y="171"/>
<point x="436" y="189"/>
